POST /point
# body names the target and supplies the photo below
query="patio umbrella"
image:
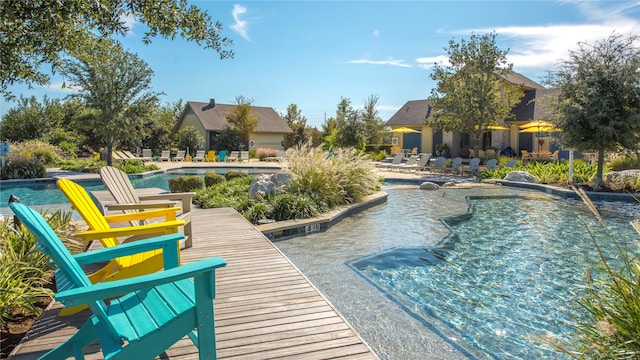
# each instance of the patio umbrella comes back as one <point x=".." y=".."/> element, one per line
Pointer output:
<point x="497" y="127"/>
<point x="404" y="130"/>
<point x="493" y="127"/>
<point x="537" y="123"/>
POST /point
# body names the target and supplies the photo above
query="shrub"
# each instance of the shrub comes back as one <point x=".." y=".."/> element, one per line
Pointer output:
<point x="258" y="211"/>
<point x="262" y="153"/>
<point x="212" y="178"/>
<point x="24" y="169"/>
<point x="235" y="174"/>
<point x="231" y="193"/>
<point x="337" y="178"/>
<point x="34" y="150"/>
<point x="135" y="167"/>
<point x="287" y="206"/>
<point x="625" y="161"/>
<point x="186" y="184"/>
<point x="23" y="268"/>
<point x="377" y="156"/>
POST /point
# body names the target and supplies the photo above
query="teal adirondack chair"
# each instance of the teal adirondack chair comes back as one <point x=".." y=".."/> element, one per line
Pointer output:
<point x="146" y="314"/>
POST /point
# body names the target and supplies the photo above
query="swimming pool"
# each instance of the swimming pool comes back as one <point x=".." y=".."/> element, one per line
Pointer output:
<point x="507" y="273"/>
<point x="44" y="194"/>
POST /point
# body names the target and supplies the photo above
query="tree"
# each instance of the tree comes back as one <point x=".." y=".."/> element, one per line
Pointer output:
<point x="242" y="120"/>
<point x="599" y="96"/>
<point x="349" y="130"/>
<point x="158" y="128"/>
<point x="373" y="125"/>
<point x="190" y="138"/>
<point x="298" y="124"/>
<point x="115" y="84"/>
<point x="26" y="121"/>
<point x="35" y="33"/>
<point x="471" y="93"/>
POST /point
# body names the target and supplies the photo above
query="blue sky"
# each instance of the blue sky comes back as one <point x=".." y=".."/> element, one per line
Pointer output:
<point x="313" y="53"/>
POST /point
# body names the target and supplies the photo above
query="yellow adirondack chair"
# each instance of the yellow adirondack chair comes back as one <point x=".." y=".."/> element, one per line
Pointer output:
<point x="125" y="266"/>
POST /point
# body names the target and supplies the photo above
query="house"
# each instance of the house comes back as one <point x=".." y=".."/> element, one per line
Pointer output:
<point x="414" y="113"/>
<point x="210" y="118"/>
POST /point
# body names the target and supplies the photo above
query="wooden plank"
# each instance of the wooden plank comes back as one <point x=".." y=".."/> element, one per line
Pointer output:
<point x="264" y="308"/>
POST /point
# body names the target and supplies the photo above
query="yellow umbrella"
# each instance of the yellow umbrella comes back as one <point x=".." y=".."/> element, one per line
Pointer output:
<point x="542" y="129"/>
<point x="404" y="130"/>
<point x="536" y="123"/>
<point x="494" y="127"/>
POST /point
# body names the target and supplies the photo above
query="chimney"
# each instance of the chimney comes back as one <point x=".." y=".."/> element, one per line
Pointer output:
<point x="212" y="103"/>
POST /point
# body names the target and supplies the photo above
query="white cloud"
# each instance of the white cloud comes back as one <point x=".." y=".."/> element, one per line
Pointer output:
<point x="129" y="21"/>
<point x="240" y="26"/>
<point x="428" y="62"/>
<point x="399" y="63"/>
<point x="540" y="48"/>
<point x="61" y="87"/>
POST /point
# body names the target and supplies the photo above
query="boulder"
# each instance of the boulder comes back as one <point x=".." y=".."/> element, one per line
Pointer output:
<point x="520" y="176"/>
<point x="428" y="185"/>
<point x="266" y="184"/>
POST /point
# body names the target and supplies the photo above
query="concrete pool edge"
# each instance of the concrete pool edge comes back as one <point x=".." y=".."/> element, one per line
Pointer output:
<point x="283" y="230"/>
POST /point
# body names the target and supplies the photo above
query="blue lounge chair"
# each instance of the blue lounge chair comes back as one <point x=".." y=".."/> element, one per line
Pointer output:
<point x="145" y="314"/>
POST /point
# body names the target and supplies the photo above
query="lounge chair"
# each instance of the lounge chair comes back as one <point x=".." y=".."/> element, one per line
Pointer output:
<point x="412" y="161"/>
<point x="179" y="156"/>
<point x="554" y="155"/>
<point x="526" y="156"/>
<point x="118" y="156"/>
<point x="456" y="166"/>
<point x="125" y="266"/>
<point x="199" y="156"/>
<point x="474" y="166"/>
<point x="165" y="156"/>
<point x="397" y="160"/>
<point x="147" y="155"/>
<point x="130" y="156"/>
<point x="123" y="192"/>
<point x="491" y="164"/>
<point x="136" y="318"/>
<point x="244" y="155"/>
<point x="421" y="164"/>
<point x="233" y="156"/>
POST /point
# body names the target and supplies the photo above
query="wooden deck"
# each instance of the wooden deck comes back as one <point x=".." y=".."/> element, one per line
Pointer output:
<point x="265" y="308"/>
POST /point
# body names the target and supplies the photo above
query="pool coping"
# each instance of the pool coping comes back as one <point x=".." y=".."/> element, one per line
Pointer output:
<point x="287" y="229"/>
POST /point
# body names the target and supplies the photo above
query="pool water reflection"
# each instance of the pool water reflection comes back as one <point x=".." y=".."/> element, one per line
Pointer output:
<point x="506" y="274"/>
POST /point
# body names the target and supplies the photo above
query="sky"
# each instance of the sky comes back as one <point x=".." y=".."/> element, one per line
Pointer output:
<point x="314" y="53"/>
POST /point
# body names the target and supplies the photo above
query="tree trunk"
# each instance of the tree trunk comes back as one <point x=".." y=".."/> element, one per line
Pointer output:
<point x="598" y="181"/>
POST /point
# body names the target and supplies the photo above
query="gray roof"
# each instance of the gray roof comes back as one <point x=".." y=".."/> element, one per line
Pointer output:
<point x="519" y="79"/>
<point x="213" y="117"/>
<point x="412" y="113"/>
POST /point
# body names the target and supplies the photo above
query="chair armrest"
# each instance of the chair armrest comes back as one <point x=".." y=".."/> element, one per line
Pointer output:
<point x="111" y="289"/>
<point x="164" y="227"/>
<point x="185" y="197"/>
<point x="167" y="242"/>
<point x="141" y="206"/>
<point x="167" y="213"/>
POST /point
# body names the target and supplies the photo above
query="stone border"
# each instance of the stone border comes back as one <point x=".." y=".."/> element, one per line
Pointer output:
<point x="283" y="230"/>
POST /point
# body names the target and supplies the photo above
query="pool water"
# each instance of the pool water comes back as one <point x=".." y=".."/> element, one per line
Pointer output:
<point x="501" y="276"/>
<point x="46" y="192"/>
